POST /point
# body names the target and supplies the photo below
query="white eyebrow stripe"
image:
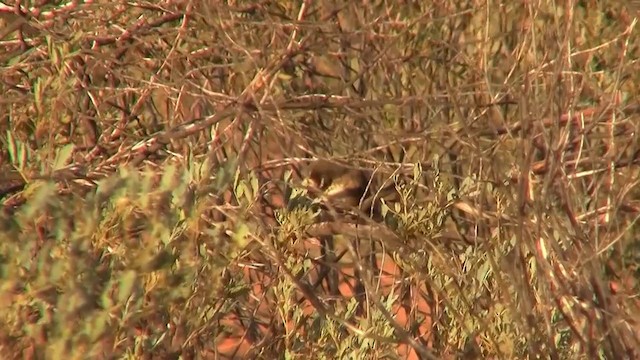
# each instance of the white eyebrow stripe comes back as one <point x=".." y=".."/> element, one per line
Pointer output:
<point x="337" y="189"/>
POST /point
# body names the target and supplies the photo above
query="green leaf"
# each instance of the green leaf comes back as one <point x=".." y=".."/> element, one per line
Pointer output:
<point x="384" y="208"/>
<point x="287" y="176"/>
<point x="127" y="282"/>
<point x="483" y="272"/>
<point x="255" y="186"/>
<point x="241" y="235"/>
<point x="17" y="151"/>
<point x="39" y="193"/>
<point x="417" y="171"/>
<point x="37" y="94"/>
<point x="240" y="190"/>
<point x="248" y="193"/>
<point x="62" y="157"/>
<point x="56" y="272"/>
<point x="99" y="326"/>
<point x="224" y="175"/>
<point x="12" y="147"/>
<point x="168" y="177"/>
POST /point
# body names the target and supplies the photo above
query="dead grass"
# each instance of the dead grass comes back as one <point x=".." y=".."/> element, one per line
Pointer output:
<point x="147" y="148"/>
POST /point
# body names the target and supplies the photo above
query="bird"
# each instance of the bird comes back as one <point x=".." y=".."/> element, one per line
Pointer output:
<point x="336" y="184"/>
<point x="347" y="189"/>
<point x="341" y="190"/>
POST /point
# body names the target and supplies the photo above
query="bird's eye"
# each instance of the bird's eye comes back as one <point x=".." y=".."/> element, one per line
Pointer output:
<point x="325" y="183"/>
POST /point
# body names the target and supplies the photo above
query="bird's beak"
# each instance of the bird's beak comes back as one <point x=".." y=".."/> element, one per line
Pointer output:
<point x="312" y="187"/>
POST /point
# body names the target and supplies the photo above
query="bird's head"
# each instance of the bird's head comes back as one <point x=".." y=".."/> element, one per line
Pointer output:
<point x="336" y="183"/>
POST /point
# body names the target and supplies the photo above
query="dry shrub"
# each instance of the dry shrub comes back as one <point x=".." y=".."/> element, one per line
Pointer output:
<point x="150" y="148"/>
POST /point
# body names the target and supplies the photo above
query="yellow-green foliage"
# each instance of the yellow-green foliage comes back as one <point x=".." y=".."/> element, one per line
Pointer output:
<point x="150" y="208"/>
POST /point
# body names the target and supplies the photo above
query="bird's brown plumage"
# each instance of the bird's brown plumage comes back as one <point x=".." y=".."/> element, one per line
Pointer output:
<point x="346" y="187"/>
<point x="337" y="183"/>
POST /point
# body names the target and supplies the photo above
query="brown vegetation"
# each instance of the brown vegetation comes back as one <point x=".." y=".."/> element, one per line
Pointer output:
<point x="152" y="154"/>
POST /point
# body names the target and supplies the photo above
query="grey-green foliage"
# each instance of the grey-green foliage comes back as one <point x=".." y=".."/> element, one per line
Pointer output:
<point x="95" y="265"/>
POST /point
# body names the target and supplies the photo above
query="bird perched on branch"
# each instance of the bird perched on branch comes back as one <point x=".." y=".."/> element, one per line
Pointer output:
<point x="345" y="188"/>
<point x="337" y="184"/>
<point x="346" y="191"/>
